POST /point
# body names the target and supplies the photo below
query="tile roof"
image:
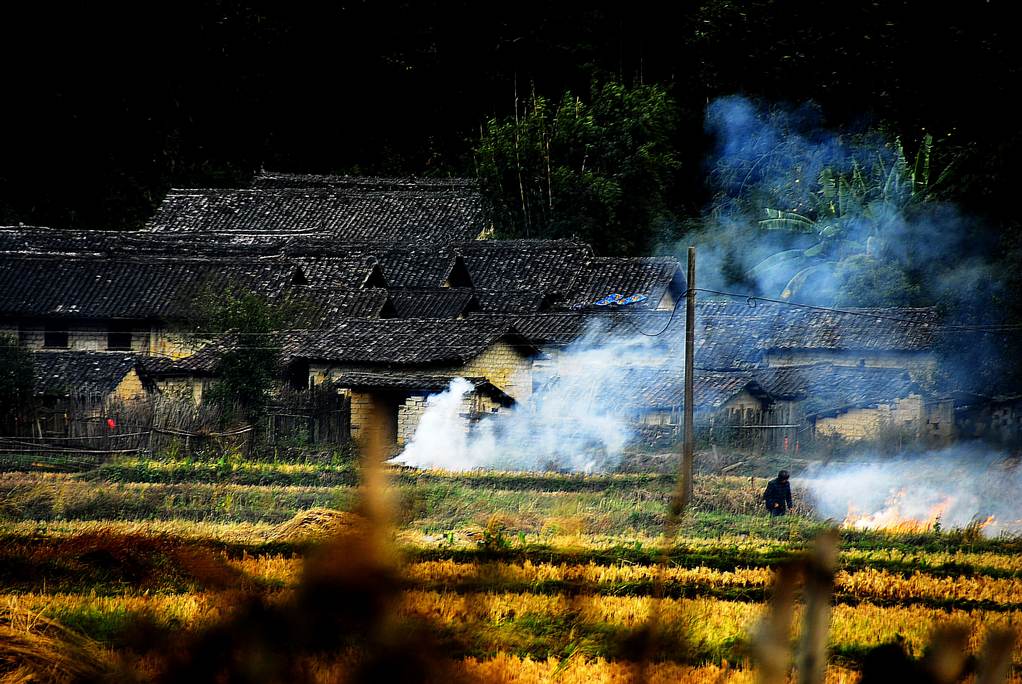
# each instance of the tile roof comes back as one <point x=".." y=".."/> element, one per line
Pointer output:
<point x="350" y="271"/>
<point x="416" y="382"/>
<point x="664" y="387"/>
<point x="36" y="241"/>
<point x="202" y="363"/>
<point x="349" y="265"/>
<point x="403" y="341"/>
<point x="416" y="265"/>
<point x="21" y="240"/>
<point x="564" y="327"/>
<point x="727" y="336"/>
<point x="734" y="335"/>
<point x="824" y="388"/>
<point x="279" y="179"/>
<point x="601" y="276"/>
<point x="321" y="307"/>
<point x="516" y="302"/>
<point x="828" y="388"/>
<point x="431" y="303"/>
<point x="860" y="329"/>
<point x="512" y="265"/>
<point x="434" y="214"/>
<point x="80" y="373"/>
<point x="126" y="288"/>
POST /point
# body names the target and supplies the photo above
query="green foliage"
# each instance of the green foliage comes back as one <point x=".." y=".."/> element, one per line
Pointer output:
<point x="494" y="536"/>
<point x="864" y="280"/>
<point x="599" y="171"/>
<point x="16" y="378"/>
<point x="848" y="222"/>
<point x="246" y="327"/>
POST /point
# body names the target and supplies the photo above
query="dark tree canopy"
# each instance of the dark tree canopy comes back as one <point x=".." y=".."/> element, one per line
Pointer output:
<point x="17" y="379"/>
<point x="247" y="327"/>
<point x="598" y="169"/>
<point x="108" y="105"/>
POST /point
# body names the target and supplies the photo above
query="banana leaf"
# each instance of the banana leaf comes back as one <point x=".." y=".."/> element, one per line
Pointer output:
<point x="774" y="261"/>
<point x="786" y="220"/>
<point x="921" y="171"/>
<point x="800" y="278"/>
<point x="828" y="183"/>
<point x="816" y="250"/>
<point x="830" y="230"/>
<point x="858" y="184"/>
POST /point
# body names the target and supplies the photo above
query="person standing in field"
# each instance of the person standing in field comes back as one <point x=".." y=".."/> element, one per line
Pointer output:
<point x="778" y="494"/>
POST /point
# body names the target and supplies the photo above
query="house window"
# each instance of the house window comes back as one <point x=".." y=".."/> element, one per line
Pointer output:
<point x="118" y="338"/>
<point x="55" y="337"/>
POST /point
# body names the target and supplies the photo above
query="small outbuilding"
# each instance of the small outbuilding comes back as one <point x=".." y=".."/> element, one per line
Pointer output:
<point x="78" y="390"/>
<point x="387" y="368"/>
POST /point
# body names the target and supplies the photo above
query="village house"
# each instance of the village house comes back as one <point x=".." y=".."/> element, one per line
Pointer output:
<point x="340" y="208"/>
<point x="996" y="418"/>
<point x="374" y="262"/>
<point x="77" y="391"/>
<point x="187" y="377"/>
<point x="874" y="338"/>
<point x="779" y="407"/>
<point x="139" y="305"/>
<point x="387" y="367"/>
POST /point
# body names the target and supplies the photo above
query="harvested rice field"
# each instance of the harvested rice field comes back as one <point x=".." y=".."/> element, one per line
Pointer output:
<point x="160" y="571"/>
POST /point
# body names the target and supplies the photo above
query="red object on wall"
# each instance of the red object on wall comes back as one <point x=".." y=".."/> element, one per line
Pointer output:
<point x="111" y="423"/>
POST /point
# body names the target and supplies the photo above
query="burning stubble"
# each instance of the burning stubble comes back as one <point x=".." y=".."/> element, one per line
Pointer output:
<point x="952" y="488"/>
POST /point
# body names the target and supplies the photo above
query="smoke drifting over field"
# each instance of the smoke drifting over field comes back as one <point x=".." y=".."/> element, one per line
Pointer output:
<point x="954" y="487"/>
<point x="576" y="421"/>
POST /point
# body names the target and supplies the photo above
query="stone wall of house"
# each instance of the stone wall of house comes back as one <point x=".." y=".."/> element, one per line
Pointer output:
<point x="408" y="417"/>
<point x="183" y="388"/>
<point x="504" y="366"/>
<point x="361" y="416"/>
<point x="940" y="422"/>
<point x="129" y="388"/>
<point x="156" y="340"/>
<point x="921" y="366"/>
<point x="906" y="414"/>
<point x="474" y="406"/>
<point x="371" y="422"/>
<point x="172" y="344"/>
<point x="992" y="420"/>
<point x="81" y="337"/>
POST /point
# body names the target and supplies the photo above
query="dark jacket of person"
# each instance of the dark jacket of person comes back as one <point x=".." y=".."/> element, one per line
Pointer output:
<point x="778" y="492"/>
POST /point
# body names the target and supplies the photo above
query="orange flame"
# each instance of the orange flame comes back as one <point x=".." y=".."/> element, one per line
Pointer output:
<point x="892" y="517"/>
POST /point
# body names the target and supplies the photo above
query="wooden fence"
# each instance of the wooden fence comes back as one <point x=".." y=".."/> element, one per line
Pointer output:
<point x="782" y="427"/>
<point x="79" y="432"/>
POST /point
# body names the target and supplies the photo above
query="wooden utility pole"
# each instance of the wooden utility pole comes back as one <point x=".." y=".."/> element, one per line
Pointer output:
<point x="688" y="447"/>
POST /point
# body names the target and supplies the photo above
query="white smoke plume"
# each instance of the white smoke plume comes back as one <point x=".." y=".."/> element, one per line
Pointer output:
<point x="577" y="420"/>
<point x="954" y="487"/>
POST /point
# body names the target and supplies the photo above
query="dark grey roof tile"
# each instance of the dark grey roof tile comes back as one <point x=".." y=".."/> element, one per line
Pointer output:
<point x="80" y="373"/>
